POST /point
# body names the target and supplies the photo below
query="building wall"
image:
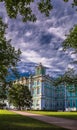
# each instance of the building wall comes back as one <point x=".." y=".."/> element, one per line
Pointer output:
<point x="43" y="92"/>
<point x="71" y="98"/>
<point x="60" y="97"/>
<point x="35" y="88"/>
<point x="48" y="94"/>
<point x="22" y="80"/>
<point x="48" y="97"/>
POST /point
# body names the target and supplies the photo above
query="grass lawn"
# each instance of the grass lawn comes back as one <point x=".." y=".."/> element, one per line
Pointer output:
<point x="13" y="121"/>
<point x="69" y="115"/>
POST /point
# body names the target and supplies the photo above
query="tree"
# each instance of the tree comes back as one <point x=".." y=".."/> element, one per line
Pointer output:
<point x="8" y="55"/>
<point x="68" y="78"/>
<point x="3" y="96"/>
<point x="20" y="96"/>
<point x="23" y="7"/>
<point x="74" y="2"/>
<point x="71" y="39"/>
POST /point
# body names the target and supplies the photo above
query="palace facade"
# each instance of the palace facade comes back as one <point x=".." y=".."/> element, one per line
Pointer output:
<point x="48" y="97"/>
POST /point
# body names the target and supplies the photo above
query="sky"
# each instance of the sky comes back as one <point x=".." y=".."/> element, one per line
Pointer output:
<point x="42" y="41"/>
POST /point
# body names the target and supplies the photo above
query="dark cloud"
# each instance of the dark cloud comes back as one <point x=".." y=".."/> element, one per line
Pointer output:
<point x="41" y="41"/>
<point x="45" y="38"/>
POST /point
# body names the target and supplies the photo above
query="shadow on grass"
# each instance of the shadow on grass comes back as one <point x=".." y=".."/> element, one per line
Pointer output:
<point x="14" y="121"/>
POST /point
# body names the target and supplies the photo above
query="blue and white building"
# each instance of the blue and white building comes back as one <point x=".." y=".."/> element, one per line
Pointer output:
<point x="48" y="97"/>
<point x="42" y="90"/>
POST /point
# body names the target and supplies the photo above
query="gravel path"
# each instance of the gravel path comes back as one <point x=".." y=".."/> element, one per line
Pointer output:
<point x="65" y="123"/>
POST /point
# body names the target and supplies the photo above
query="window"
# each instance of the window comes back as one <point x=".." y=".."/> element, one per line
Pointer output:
<point x="46" y="84"/>
<point x="74" y="103"/>
<point x="32" y="83"/>
<point x="32" y="91"/>
<point x="37" y="104"/>
<point x="45" y="91"/>
<point x="73" y="93"/>
<point x="38" y="82"/>
<point x="38" y="90"/>
<point x="68" y="103"/>
<point x="61" y="104"/>
<point x="57" y="104"/>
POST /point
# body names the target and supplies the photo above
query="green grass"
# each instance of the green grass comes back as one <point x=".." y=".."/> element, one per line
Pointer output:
<point x="13" y="121"/>
<point x="68" y="115"/>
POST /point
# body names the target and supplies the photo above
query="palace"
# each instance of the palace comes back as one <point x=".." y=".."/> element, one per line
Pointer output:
<point x="48" y="97"/>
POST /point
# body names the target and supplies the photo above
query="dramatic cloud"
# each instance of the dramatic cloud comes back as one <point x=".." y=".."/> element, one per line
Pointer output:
<point x="41" y="41"/>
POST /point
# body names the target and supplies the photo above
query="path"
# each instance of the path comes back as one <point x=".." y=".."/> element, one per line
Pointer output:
<point x="65" y="123"/>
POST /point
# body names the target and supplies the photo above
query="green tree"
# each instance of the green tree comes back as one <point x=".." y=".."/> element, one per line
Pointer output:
<point x="8" y="55"/>
<point x="20" y="96"/>
<point x="74" y="2"/>
<point x="68" y="78"/>
<point x="3" y="95"/>
<point x="71" y="39"/>
<point x="23" y="7"/>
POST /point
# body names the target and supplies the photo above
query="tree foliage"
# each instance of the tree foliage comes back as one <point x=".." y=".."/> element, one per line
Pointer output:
<point x="20" y="96"/>
<point x="23" y="7"/>
<point x="71" y="40"/>
<point x="74" y="2"/>
<point x="3" y="95"/>
<point x="69" y="78"/>
<point x="8" y="55"/>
